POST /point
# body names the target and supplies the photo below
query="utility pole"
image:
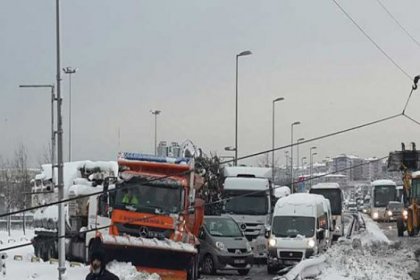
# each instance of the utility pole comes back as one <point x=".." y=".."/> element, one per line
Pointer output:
<point x="60" y="185"/>
<point x="156" y="113"/>
<point x="69" y="70"/>
<point x="273" y="136"/>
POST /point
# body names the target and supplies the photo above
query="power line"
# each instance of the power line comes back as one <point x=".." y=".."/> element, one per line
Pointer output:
<point x="371" y="40"/>
<point x="318" y="137"/>
<point x="398" y="23"/>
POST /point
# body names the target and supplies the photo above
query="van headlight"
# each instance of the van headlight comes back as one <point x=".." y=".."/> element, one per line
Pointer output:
<point x="311" y="243"/>
<point x="389" y="213"/>
<point x="405" y="213"/>
<point x="272" y="242"/>
<point x="221" y="246"/>
<point x="248" y="247"/>
<point x="364" y="211"/>
<point x="375" y="215"/>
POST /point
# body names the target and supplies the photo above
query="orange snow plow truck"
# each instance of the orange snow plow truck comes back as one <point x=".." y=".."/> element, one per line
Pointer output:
<point x="155" y="216"/>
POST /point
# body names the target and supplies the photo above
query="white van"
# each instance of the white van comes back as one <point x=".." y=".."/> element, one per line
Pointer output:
<point x="298" y="230"/>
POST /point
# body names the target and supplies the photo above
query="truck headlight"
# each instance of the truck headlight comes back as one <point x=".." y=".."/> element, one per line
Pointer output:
<point x="311" y="243"/>
<point x="248" y="247"/>
<point x="389" y="213"/>
<point x="375" y="215"/>
<point x="272" y="242"/>
<point x="221" y="246"/>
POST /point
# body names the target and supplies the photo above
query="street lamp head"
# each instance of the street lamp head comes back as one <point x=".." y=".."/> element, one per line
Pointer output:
<point x="313" y="148"/>
<point x="244" y="53"/>
<point x="155" y="112"/>
<point x="230" y="149"/>
<point x="314" y="154"/>
<point x="301" y="139"/>
<point x="70" y="70"/>
<point x="278" y="99"/>
<point x="303" y="158"/>
<point x="295" y="123"/>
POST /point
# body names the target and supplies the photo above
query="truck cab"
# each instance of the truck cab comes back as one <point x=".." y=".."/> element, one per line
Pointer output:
<point x="248" y="195"/>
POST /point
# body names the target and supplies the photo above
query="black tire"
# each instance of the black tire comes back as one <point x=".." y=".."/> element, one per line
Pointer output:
<point x="193" y="272"/>
<point x="208" y="266"/>
<point x="272" y="269"/>
<point x="400" y="227"/>
<point x="243" y="272"/>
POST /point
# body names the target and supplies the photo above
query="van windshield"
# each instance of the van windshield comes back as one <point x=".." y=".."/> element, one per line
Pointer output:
<point x="292" y="226"/>
<point x="222" y="227"/>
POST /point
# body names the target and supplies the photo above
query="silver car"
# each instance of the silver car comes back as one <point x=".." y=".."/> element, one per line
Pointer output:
<point x="223" y="246"/>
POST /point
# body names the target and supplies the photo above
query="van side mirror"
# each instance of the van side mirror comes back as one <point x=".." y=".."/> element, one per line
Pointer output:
<point x="320" y="234"/>
<point x="267" y="232"/>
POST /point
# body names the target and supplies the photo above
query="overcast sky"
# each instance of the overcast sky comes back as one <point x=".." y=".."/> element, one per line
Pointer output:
<point x="179" y="57"/>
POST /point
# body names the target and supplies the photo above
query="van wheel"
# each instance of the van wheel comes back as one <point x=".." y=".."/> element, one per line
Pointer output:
<point x="243" y="272"/>
<point x="208" y="265"/>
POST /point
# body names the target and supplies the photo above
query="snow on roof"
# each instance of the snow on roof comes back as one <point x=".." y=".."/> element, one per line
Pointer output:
<point x="300" y="204"/>
<point x="336" y="175"/>
<point x="383" y="182"/>
<point x="326" y="186"/>
<point x="241" y="183"/>
<point x="281" y="191"/>
<point x="300" y="198"/>
<point x="260" y="172"/>
<point x="415" y="174"/>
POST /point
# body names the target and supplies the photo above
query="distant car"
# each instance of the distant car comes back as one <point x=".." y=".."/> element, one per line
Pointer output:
<point x="393" y="211"/>
<point x="223" y="246"/>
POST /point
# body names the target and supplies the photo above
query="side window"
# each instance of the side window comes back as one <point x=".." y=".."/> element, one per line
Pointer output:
<point x="102" y="206"/>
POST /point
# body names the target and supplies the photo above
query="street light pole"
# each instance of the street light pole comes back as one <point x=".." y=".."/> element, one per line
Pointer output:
<point x="310" y="164"/>
<point x="313" y="154"/>
<point x="291" y="155"/>
<point x="61" y="225"/>
<point x="52" y="87"/>
<point x="297" y="153"/>
<point x="236" y="105"/>
<point x="303" y="158"/>
<point x="273" y="136"/>
<point x="156" y="113"/>
<point x="69" y="70"/>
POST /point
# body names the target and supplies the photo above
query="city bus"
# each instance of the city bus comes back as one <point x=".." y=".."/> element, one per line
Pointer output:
<point x="382" y="192"/>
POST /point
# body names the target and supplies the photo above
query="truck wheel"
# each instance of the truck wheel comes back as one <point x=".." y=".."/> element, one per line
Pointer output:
<point x="243" y="272"/>
<point x="193" y="273"/>
<point x="208" y="265"/>
<point x="400" y="227"/>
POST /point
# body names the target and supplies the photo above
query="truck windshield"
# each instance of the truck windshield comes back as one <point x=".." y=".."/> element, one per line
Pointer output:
<point x="148" y="198"/>
<point x="334" y="196"/>
<point x="383" y="195"/>
<point x="239" y="203"/>
<point x="292" y="226"/>
<point x="222" y="227"/>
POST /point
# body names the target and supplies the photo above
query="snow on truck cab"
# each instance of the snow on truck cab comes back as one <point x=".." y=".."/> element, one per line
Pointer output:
<point x="298" y="231"/>
<point x="382" y="192"/>
<point x="334" y="194"/>
<point x="250" y="205"/>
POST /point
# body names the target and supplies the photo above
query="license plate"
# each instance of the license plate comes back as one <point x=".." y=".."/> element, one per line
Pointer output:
<point x="238" y="261"/>
<point x="290" y="262"/>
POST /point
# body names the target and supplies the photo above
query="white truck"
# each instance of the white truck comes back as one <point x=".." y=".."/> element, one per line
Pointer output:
<point x="249" y="202"/>
<point x="80" y="178"/>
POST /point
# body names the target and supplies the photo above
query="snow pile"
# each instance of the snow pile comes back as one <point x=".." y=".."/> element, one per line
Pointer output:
<point x="126" y="271"/>
<point x="368" y="255"/>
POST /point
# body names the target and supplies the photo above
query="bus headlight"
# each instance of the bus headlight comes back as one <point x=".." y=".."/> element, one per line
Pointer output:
<point x="389" y="213"/>
<point x="272" y="242"/>
<point x="311" y="243"/>
<point x="375" y="215"/>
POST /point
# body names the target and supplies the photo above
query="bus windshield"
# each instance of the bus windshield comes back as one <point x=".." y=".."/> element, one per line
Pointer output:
<point x="383" y="195"/>
<point x="334" y="196"/>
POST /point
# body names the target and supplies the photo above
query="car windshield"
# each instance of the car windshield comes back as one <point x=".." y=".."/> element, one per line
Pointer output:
<point x="291" y="226"/>
<point x="334" y="196"/>
<point x="383" y="195"/>
<point x="155" y="198"/>
<point x="222" y="227"/>
<point x="246" y="204"/>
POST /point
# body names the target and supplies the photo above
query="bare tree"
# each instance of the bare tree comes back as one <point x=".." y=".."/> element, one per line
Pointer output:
<point x="45" y="156"/>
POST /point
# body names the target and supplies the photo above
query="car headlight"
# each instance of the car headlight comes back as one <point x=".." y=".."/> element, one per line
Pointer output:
<point x="311" y="243"/>
<point x="364" y="210"/>
<point x="405" y="213"/>
<point x="389" y="213"/>
<point x="272" y="242"/>
<point x="221" y="246"/>
<point x="375" y="215"/>
<point x="248" y="247"/>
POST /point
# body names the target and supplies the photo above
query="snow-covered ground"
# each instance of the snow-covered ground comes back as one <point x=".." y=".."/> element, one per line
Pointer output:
<point x="368" y="255"/>
<point x="24" y="269"/>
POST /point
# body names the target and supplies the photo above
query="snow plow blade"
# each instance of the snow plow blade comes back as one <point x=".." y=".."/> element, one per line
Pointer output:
<point x="171" y="260"/>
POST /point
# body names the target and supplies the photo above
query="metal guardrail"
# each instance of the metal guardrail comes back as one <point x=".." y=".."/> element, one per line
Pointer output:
<point x="357" y="224"/>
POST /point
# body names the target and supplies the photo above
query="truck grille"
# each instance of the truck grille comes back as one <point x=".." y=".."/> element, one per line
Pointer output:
<point x="252" y="230"/>
<point x="144" y="231"/>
